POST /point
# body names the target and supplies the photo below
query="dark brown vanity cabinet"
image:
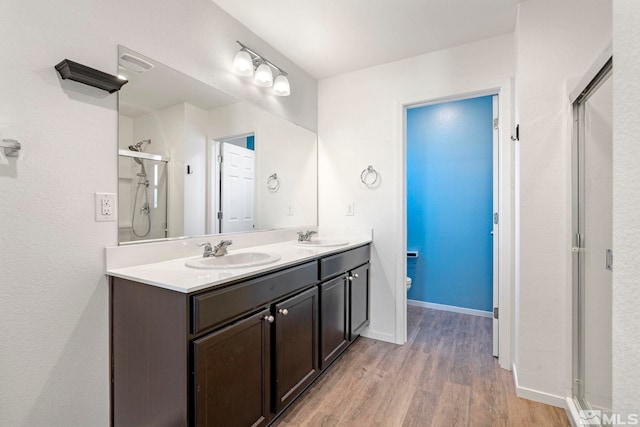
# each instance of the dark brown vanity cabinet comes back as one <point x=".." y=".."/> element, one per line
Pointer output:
<point x="358" y="300"/>
<point x="236" y="354"/>
<point x="296" y="346"/>
<point x="344" y="301"/>
<point x="334" y="303"/>
<point x="232" y="374"/>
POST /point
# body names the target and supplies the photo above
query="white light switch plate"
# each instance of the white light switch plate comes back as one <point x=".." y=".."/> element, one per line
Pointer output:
<point x="105" y="207"/>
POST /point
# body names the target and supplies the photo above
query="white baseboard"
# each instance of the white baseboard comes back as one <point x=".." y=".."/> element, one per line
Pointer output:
<point x="380" y="336"/>
<point x="451" y="308"/>
<point x="538" y="396"/>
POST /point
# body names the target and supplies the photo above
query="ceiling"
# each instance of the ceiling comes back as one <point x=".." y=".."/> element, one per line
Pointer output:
<point x="331" y="37"/>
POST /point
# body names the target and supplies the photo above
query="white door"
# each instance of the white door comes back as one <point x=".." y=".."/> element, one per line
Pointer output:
<point x="237" y="175"/>
<point x="496" y="220"/>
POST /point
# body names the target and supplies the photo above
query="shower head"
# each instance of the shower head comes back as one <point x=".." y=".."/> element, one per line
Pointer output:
<point x="138" y="145"/>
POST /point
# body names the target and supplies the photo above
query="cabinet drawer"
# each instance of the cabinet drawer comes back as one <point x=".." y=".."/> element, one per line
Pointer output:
<point x="338" y="264"/>
<point x="217" y="307"/>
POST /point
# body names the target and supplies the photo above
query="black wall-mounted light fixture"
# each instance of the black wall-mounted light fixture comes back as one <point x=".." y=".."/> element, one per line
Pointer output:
<point x="89" y="76"/>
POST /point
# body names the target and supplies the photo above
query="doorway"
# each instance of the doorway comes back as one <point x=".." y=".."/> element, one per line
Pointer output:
<point x="593" y="244"/>
<point x="232" y="185"/>
<point x="452" y="206"/>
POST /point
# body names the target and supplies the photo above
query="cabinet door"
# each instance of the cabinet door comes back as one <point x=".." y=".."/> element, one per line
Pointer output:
<point x="232" y="374"/>
<point x="334" y="319"/>
<point x="296" y="346"/>
<point x="359" y="300"/>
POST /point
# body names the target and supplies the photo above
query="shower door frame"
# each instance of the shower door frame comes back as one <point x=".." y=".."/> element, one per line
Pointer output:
<point x="590" y="84"/>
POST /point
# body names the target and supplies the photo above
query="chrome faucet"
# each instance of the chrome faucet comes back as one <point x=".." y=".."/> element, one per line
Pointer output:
<point x="218" y="250"/>
<point x="305" y="236"/>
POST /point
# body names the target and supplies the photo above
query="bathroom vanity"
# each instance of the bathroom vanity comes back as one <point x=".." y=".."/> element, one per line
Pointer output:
<point x="235" y="351"/>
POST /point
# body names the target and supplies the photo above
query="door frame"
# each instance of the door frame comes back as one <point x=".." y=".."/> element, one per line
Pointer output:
<point x="506" y="210"/>
<point x="597" y="75"/>
<point x="212" y="200"/>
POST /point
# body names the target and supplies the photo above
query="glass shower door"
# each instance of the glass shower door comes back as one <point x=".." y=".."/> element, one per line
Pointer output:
<point x="142" y="198"/>
<point x="593" y="255"/>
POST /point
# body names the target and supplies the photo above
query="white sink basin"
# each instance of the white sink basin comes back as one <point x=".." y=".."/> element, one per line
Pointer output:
<point x="237" y="260"/>
<point x="321" y="243"/>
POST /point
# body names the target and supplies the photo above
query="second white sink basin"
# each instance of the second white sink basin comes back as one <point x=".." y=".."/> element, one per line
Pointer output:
<point x="321" y="243"/>
<point x="237" y="260"/>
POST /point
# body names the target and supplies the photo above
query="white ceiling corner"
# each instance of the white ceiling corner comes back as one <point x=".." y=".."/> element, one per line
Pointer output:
<point x="330" y="37"/>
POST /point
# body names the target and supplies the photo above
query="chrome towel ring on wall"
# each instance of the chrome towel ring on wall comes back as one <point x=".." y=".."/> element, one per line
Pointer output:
<point x="369" y="176"/>
<point x="273" y="182"/>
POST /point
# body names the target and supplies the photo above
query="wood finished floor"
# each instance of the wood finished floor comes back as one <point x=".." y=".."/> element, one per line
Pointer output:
<point x="444" y="376"/>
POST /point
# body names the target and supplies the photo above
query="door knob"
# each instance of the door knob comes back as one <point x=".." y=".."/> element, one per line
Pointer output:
<point x="269" y="318"/>
<point x="283" y="311"/>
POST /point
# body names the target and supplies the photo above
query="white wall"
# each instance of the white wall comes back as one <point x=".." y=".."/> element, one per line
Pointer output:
<point x="195" y="155"/>
<point x="53" y="292"/>
<point x="280" y="147"/>
<point x="626" y="205"/>
<point x="358" y="125"/>
<point x="556" y="43"/>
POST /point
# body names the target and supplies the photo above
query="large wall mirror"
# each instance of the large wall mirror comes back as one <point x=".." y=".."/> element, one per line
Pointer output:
<point x="194" y="160"/>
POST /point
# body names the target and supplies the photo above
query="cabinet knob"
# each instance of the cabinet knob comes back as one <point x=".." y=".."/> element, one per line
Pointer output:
<point x="355" y="275"/>
<point x="350" y="278"/>
<point x="283" y="311"/>
<point x="269" y="318"/>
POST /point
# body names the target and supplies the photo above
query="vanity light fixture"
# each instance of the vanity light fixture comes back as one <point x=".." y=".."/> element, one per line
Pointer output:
<point x="264" y="76"/>
<point x="247" y="61"/>
<point x="281" y="86"/>
<point x="243" y="64"/>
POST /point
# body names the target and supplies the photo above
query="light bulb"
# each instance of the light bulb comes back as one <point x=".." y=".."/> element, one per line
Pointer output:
<point x="264" y="76"/>
<point x="281" y="86"/>
<point x="242" y="64"/>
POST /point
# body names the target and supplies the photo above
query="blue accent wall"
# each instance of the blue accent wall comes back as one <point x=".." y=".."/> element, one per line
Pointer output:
<point x="450" y="203"/>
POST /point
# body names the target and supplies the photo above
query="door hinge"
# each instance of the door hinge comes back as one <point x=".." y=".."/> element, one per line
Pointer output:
<point x="496" y="218"/>
<point x="219" y="215"/>
<point x="495" y="313"/>
<point x="220" y="158"/>
<point x="496" y="123"/>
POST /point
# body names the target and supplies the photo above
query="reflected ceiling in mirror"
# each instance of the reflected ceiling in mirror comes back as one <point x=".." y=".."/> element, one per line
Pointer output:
<point x="194" y="160"/>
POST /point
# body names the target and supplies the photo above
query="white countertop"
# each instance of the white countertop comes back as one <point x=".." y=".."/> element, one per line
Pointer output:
<point x="174" y="275"/>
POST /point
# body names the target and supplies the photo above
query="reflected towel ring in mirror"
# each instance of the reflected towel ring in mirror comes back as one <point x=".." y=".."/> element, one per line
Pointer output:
<point x="369" y="176"/>
<point x="273" y="182"/>
<point x="10" y="147"/>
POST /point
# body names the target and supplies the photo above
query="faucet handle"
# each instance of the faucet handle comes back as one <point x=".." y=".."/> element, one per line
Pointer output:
<point x="204" y="244"/>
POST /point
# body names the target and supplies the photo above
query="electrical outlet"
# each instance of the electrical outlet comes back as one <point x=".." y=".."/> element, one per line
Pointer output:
<point x="290" y="209"/>
<point x="105" y="207"/>
<point x="350" y="209"/>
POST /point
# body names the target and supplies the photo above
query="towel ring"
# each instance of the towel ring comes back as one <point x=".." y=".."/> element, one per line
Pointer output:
<point x="367" y="175"/>
<point x="273" y="182"/>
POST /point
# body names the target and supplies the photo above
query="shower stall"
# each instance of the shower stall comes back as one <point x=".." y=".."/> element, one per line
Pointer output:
<point x="142" y="194"/>
<point x="593" y="249"/>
